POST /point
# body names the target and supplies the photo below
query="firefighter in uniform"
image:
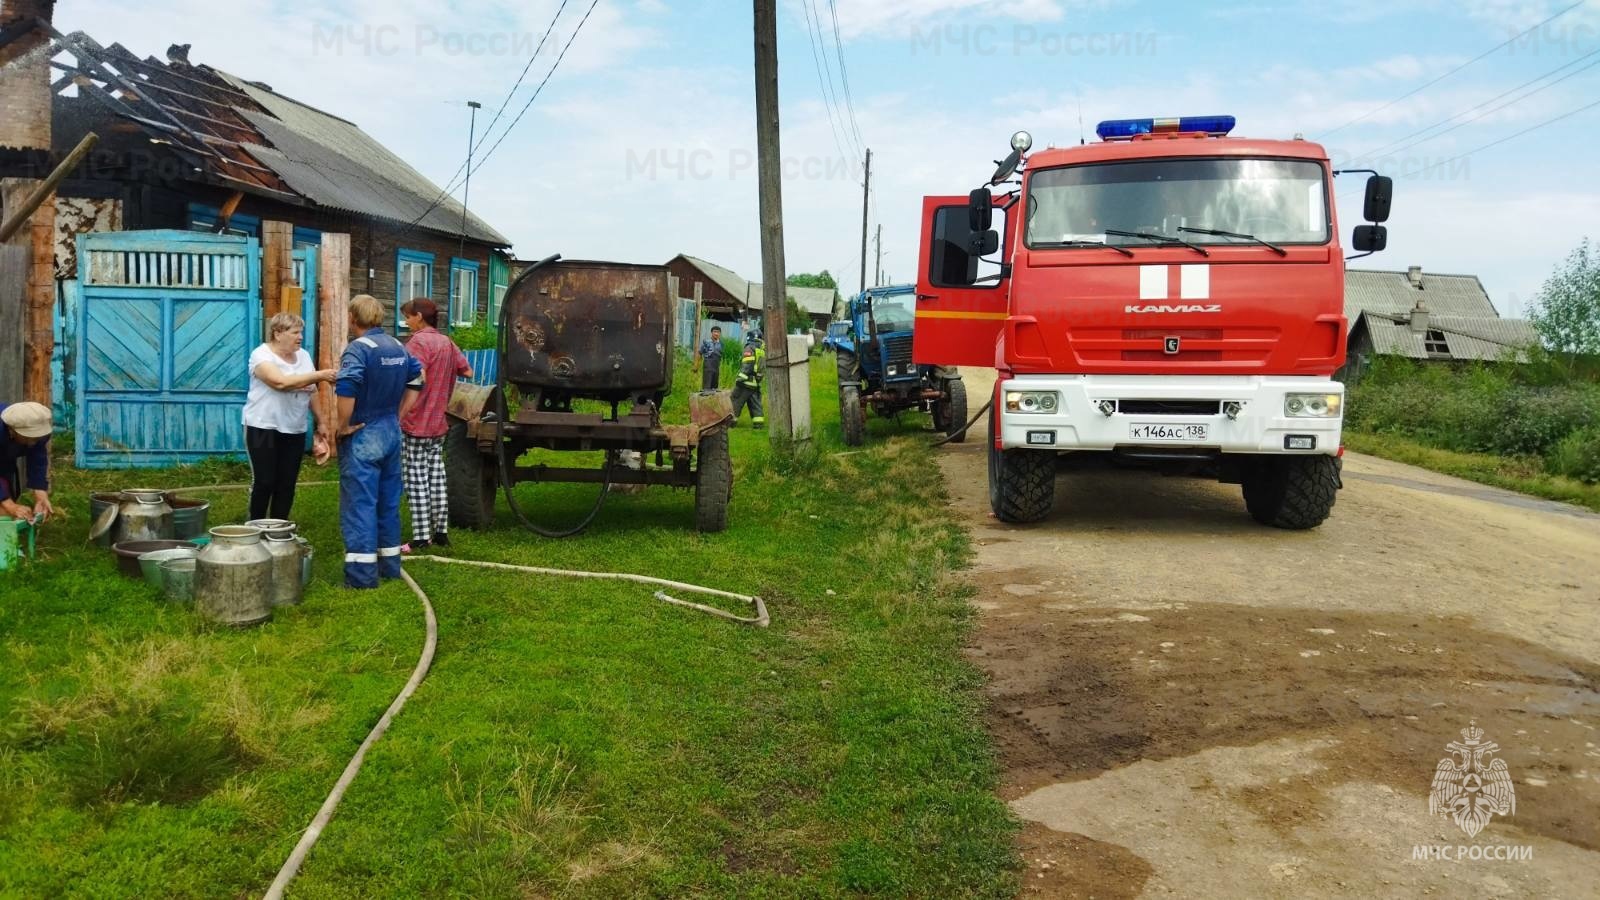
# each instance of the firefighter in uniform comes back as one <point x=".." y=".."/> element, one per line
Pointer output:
<point x="378" y="381"/>
<point x="747" y="385"/>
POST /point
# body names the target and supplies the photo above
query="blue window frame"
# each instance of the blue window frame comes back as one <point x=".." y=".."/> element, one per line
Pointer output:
<point x="413" y="278"/>
<point x="204" y="218"/>
<point x="463" y="292"/>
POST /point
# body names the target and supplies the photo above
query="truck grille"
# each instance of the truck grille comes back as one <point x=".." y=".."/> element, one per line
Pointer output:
<point x="1169" y="407"/>
<point x="897" y="351"/>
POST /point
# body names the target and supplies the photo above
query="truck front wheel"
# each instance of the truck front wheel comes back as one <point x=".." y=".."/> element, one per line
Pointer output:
<point x="1022" y="483"/>
<point x="1292" y="492"/>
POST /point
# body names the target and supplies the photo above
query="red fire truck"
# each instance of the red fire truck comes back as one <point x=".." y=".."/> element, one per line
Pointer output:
<point x="1169" y="295"/>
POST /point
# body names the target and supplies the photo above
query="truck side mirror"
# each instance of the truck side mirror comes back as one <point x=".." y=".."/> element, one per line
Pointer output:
<point x="980" y="209"/>
<point x="985" y="243"/>
<point x="1370" y="238"/>
<point x="1380" y="193"/>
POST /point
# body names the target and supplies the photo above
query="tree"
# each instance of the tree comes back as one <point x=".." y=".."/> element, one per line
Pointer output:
<point x="1567" y="310"/>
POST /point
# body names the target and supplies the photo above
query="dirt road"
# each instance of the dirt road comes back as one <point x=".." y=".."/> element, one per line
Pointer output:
<point x="1189" y="704"/>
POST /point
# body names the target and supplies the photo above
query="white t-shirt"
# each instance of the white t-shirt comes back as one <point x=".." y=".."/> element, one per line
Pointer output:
<point x="269" y="408"/>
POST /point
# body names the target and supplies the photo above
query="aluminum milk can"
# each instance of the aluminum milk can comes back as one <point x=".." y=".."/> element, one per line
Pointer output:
<point x="233" y="577"/>
<point x="278" y="536"/>
<point x="142" y="515"/>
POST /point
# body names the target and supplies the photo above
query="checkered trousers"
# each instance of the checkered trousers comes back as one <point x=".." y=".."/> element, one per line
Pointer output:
<point x="422" y="464"/>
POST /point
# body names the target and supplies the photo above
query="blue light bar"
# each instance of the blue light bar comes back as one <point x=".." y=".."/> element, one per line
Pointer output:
<point x="1124" y="129"/>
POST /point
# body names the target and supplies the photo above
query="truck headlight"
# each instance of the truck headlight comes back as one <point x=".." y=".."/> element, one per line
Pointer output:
<point x="1312" y="406"/>
<point x="1032" y="401"/>
<point x="894" y="370"/>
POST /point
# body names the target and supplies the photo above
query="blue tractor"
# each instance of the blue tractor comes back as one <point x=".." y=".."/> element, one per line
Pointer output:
<point x="873" y="344"/>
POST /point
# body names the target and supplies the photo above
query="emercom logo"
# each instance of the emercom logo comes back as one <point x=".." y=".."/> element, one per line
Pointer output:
<point x="1173" y="308"/>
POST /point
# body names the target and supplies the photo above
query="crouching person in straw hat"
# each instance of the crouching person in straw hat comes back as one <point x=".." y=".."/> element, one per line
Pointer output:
<point x="25" y="439"/>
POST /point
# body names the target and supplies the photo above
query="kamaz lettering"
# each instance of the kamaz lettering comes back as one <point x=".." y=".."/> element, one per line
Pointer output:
<point x="1168" y="308"/>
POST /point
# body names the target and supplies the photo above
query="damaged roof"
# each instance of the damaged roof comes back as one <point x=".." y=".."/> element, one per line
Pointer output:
<point x="244" y="135"/>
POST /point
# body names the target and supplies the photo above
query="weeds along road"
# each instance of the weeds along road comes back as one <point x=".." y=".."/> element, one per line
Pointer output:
<point x="1189" y="704"/>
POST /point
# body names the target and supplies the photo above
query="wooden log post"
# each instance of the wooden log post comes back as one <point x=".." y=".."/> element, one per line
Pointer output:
<point x="333" y="313"/>
<point x="277" y="270"/>
<point x="13" y="309"/>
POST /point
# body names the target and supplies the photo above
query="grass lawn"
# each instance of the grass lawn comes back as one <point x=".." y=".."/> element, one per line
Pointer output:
<point x="573" y="737"/>
<point x="1523" y="474"/>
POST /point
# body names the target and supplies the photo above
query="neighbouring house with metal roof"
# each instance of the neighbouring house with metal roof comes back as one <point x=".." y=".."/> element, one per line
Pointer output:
<point x="727" y="296"/>
<point x="1443" y="318"/>
<point x="186" y="146"/>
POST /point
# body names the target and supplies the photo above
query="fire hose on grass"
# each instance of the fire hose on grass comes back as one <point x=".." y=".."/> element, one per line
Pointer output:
<point x="297" y="857"/>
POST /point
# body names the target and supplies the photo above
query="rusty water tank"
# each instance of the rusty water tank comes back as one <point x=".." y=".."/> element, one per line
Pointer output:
<point x="581" y="328"/>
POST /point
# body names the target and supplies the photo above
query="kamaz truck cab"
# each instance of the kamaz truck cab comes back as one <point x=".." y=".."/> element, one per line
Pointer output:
<point x="873" y="344"/>
<point x="1170" y="295"/>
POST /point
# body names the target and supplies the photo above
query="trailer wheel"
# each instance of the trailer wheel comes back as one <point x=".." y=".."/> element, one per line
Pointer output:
<point x="1292" y="492"/>
<point x="1022" y="483"/>
<point x="470" y="480"/>
<point x="713" y="489"/>
<point x="852" y="422"/>
<point x="954" y="409"/>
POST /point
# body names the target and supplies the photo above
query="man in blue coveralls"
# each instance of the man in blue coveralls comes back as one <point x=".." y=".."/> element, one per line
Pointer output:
<point x="378" y="381"/>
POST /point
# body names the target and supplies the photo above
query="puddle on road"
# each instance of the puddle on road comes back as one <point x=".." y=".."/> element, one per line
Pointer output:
<point x="1100" y="694"/>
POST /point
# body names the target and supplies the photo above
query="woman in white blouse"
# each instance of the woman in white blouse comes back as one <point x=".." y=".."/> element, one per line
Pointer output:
<point x="282" y="381"/>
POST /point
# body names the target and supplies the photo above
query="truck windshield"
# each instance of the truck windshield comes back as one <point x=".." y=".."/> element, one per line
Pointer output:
<point x="1277" y="200"/>
<point x="892" y="315"/>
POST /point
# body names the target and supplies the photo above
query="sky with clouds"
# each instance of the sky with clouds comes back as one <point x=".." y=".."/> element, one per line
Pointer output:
<point x="641" y="144"/>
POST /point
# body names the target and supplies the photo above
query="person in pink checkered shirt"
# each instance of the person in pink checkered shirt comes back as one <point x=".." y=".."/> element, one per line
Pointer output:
<point x="423" y="428"/>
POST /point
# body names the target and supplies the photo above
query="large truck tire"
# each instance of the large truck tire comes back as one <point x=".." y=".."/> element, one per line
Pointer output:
<point x="713" y="489"/>
<point x="852" y="423"/>
<point x="1291" y="492"/>
<point x="1022" y="483"/>
<point x="954" y="423"/>
<point x="470" y="479"/>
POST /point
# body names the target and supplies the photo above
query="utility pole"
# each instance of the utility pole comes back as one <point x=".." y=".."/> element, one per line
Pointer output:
<point x="466" y="191"/>
<point x="877" y="272"/>
<point x="770" y="177"/>
<point x="866" y="187"/>
<point x="25" y="106"/>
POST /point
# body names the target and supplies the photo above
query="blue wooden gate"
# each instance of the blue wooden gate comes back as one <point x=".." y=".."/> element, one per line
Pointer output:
<point x="167" y="323"/>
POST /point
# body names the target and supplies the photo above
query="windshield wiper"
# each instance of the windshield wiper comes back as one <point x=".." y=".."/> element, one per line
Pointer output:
<point x="1244" y="237"/>
<point x="1123" y="250"/>
<point x="1165" y="239"/>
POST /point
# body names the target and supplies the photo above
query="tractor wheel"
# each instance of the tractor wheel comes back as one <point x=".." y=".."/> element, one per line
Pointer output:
<point x="470" y="479"/>
<point x="852" y="421"/>
<point x="1022" y="483"/>
<point x="713" y="489"/>
<point x="1292" y="492"/>
<point x="955" y="410"/>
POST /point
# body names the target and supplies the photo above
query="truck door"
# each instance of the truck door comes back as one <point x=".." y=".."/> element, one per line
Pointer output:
<point x="957" y="323"/>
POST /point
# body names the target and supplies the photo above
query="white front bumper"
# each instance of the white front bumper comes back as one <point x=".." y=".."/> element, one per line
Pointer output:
<point x="1079" y="424"/>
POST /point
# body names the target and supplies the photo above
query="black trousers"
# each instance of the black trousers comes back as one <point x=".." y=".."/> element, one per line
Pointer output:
<point x="710" y="369"/>
<point x="274" y="468"/>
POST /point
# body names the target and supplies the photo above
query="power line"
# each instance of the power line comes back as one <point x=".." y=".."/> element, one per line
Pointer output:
<point x="1370" y="153"/>
<point x="1495" y="109"/>
<point x="823" y="87"/>
<point x="1435" y="81"/>
<point x="1496" y="143"/>
<point x="471" y="151"/>
<point x="485" y="158"/>
<point x="540" y="88"/>
<point x="844" y="75"/>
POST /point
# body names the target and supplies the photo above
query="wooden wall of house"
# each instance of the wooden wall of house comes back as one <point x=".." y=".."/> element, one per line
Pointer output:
<point x="373" y="243"/>
<point x="714" y="295"/>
